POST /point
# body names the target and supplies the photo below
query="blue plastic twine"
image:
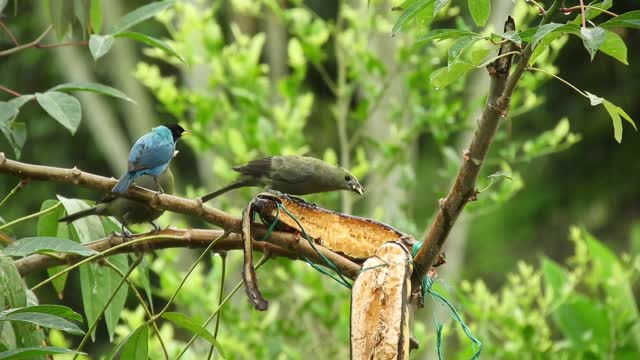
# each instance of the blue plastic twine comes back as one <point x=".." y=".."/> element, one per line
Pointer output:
<point x="427" y="288"/>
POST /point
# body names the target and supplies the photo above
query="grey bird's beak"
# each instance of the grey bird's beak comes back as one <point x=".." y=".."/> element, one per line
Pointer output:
<point x="357" y="188"/>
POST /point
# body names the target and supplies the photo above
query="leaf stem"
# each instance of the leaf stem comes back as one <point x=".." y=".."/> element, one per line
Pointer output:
<point x="73" y="43"/>
<point x="584" y="18"/>
<point x="30" y="216"/>
<point x="559" y="78"/>
<point x="235" y="289"/>
<point x="17" y="188"/>
<point x="12" y="92"/>
<point x="147" y="310"/>
<point x="498" y="57"/>
<point x="101" y="254"/>
<point x="6" y="29"/>
<point x="223" y="258"/>
<point x="175" y="293"/>
<point x="104" y="308"/>
<point x="574" y="8"/>
<point x="26" y="46"/>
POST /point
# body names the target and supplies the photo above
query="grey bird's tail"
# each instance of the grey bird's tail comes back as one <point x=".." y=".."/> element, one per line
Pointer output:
<point x="123" y="184"/>
<point x="79" y="215"/>
<point x="234" y="185"/>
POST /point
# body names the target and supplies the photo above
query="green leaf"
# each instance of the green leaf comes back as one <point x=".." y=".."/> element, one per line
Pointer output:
<point x="555" y="278"/>
<point x="439" y="5"/>
<point x="54" y="310"/>
<point x="455" y="51"/>
<point x="187" y="323"/>
<point x="96" y="16"/>
<point x="21" y="100"/>
<point x="15" y="132"/>
<point x="97" y="284"/>
<point x="81" y="11"/>
<point x="139" y="15"/>
<point x="614" y="46"/>
<point x="12" y="292"/>
<point x="45" y="244"/>
<point x="442" y="34"/>
<point x="48" y="225"/>
<point x="583" y="321"/>
<point x="592" y="38"/>
<point x="99" y="45"/>
<point x="40" y="319"/>
<point x="136" y="345"/>
<point x="31" y="353"/>
<point x="410" y="13"/>
<point x="480" y="11"/>
<point x="88" y="228"/>
<point x="630" y="19"/>
<point x="8" y="111"/>
<point x="616" y="112"/>
<point x="62" y="107"/>
<point x="543" y="31"/>
<point x="513" y="36"/>
<point x="92" y="87"/>
<point x="61" y="13"/>
<point x="615" y="118"/>
<point x="144" y="273"/>
<point x="448" y="74"/>
<point x="3" y="4"/>
<point x="153" y="42"/>
<point x="594" y="99"/>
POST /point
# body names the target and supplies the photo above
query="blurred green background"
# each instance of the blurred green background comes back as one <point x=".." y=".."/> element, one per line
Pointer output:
<point x="326" y="78"/>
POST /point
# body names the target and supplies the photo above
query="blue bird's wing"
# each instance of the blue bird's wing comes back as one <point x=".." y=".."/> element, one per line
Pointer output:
<point x="150" y="151"/>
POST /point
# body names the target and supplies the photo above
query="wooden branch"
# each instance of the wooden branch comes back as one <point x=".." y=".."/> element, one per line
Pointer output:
<point x="293" y="243"/>
<point x="27" y="45"/>
<point x="501" y="89"/>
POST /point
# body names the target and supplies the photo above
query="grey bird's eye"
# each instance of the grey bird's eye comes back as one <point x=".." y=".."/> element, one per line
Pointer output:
<point x="347" y="177"/>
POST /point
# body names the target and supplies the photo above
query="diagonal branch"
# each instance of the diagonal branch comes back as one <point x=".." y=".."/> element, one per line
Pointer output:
<point x="501" y="89"/>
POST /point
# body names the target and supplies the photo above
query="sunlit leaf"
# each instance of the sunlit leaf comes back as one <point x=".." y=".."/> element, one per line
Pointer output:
<point x="614" y="46"/>
<point x="139" y="15"/>
<point x="455" y="50"/>
<point x="448" y="74"/>
<point x="136" y="345"/>
<point x="630" y="19"/>
<point x="187" y="323"/>
<point x="592" y="38"/>
<point x="62" y="107"/>
<point x="543" y="31"/>
<point x="153" y="42"/>
<point x="410" y="13"/>
<point x="92" y="87"/>
<point x="442" y="34"/>
<point x="480" y="11"/>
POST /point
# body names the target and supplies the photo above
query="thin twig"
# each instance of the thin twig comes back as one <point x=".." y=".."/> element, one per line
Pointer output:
<point x="73" y="43"/>
<point x="175" y="293"/>
<point x="104" y="308"/>
<point x="577" y="7"/>
<point x="559" y="78"/>
<point x="541" y="9"/>
<point x="6" y="29"/>
<point x="26" y="46"/>
<point x="584" y="18"/>
<point x="30" y="216"/>
<point x="147" y="310"/>
<point x="235" y="289"/>
<point x="497" y="57"/>
<point x="17" y="188"/>
<point x="223" y="260"/>
<point x="12" y="92"/>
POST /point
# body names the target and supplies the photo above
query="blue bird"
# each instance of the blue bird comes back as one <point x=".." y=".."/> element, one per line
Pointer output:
<point x="151" y="155"/>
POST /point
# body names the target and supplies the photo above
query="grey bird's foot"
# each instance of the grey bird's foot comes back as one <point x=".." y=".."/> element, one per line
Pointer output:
<point x="156" y="179"/>
<point x="156" y="228"/>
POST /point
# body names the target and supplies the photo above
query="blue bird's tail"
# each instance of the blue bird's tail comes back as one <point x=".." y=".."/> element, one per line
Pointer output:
<point x="123" y="184"/>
